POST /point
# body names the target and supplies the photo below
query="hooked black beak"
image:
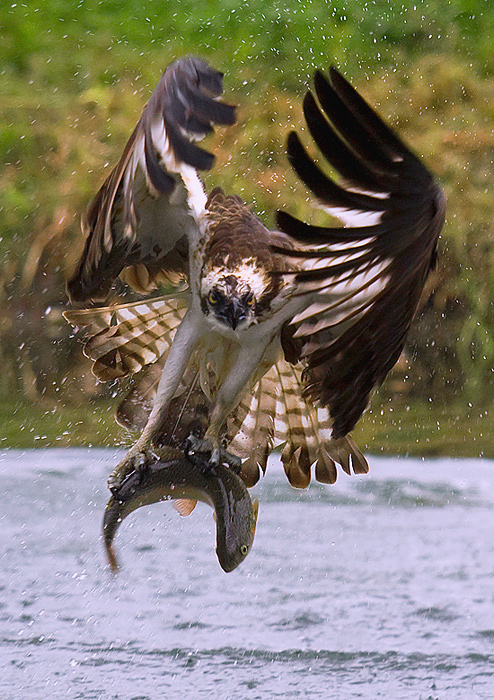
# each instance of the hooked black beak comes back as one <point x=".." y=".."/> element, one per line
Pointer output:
<point x="235" y="312"/>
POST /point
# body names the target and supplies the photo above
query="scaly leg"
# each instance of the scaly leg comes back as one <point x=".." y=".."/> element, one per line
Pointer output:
<point x="141" y="454"/>
<point x="228" y="396"/>
<point x="200" y="451"/>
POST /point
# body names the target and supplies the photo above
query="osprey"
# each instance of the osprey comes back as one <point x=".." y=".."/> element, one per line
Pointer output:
<point x="271" y="337"/>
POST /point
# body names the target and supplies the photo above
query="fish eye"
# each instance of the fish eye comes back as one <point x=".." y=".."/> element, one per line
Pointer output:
<point x="244" y="550"/>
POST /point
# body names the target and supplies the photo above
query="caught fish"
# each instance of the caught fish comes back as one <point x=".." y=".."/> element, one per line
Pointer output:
<point x="175" y="477"/>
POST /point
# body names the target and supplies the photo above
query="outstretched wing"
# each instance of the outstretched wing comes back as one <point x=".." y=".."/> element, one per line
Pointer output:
<point x="124" y="338"/>
<point x="361" y="283"/>
<point x="145" y="213"/>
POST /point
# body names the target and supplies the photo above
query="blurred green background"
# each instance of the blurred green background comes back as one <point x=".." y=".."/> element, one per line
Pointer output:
<point x="74" y="79"/>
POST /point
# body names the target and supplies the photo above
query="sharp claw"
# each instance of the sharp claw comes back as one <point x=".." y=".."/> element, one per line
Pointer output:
<point x="114" y="483"/>
<point x="215" y="458"/>
<point x="235" y="463"/>
<point x="195" y="447"/>
<point x="194" y="451"/>
<point x="141" y="460"/>
<point x="131" y="467"/>
<point x="221" y="456"/>
<point x="191" y="445"/>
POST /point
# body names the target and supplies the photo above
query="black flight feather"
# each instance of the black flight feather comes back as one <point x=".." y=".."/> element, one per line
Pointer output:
<point x="377" y="264"/>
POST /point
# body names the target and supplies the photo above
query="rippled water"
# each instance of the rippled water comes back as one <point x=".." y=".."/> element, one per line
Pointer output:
<point x="381" y="586"/>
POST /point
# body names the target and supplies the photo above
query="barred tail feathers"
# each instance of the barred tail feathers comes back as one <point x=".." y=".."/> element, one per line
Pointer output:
<point x="275" y="412"/>
<point x="347" y="453"/>
<point x="290" y="428"/>
<point x="252" y="426"/>
<point x="126" y="338"/>
<point x="308" y="437"/>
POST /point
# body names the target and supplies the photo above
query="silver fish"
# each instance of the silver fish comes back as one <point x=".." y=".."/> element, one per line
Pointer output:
<point x="175" y="477"/>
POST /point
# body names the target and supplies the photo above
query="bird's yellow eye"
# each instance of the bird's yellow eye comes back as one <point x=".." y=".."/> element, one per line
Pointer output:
<point x="250" y="299"/>
<point x="212" y="298"/>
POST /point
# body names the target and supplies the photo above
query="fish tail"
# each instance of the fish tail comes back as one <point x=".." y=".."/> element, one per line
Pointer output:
<point x="111" y="557"/>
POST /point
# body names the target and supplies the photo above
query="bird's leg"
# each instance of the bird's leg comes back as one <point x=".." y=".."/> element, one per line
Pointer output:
<point x="141" y="454"/>
<point x="228" y="397"/>
<point x="205" y="456"/>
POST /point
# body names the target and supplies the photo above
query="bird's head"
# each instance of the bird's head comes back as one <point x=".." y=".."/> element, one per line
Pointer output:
<point x="229" y="297"/>
<point x="236" y="312"/>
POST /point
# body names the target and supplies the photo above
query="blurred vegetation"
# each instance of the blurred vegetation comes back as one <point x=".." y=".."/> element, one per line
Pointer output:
<point x="75" y="77"/>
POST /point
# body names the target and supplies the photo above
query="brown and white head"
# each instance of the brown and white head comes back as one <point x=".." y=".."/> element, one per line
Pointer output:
<point x="231" y="297"/>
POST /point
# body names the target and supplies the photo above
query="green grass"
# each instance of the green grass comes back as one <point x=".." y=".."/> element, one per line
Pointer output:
<point x="75" y="77"/>
<point x="425" y="429"/>
<point x="27" y="426"/>
<point x="390" y="428"/>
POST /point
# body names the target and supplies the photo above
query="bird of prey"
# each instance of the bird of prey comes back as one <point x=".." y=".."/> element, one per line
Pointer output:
<point x="271" y="337"/>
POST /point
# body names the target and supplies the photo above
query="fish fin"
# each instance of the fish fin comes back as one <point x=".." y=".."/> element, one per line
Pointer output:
<point x="184" y="506"/>
<point x="255" y="509"/>
<point x="255" y="512"/>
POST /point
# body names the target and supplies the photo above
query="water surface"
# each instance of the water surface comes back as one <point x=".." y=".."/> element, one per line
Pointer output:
<point x="381" y="586"/>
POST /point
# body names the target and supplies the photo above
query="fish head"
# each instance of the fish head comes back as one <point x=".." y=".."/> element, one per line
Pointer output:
<point x="236" y="541"/>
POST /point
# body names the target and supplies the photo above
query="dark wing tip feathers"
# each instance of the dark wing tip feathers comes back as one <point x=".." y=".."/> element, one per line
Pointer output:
<point x="186" y="101"/>
<point x="379" y="174"/>
<point x="187" y="96"/>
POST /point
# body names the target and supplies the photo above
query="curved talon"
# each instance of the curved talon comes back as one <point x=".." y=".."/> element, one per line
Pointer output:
<point x="194" y="450"/>
<point x="194" y="447"/>
<point x="194" y="444"/>
<point x="221" y="456"/>
<point x="132" y="464"/>
<point x="235" y="463"/>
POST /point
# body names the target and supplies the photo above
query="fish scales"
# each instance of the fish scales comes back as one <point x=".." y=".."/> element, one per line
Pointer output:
<point x="174" y="476"/>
